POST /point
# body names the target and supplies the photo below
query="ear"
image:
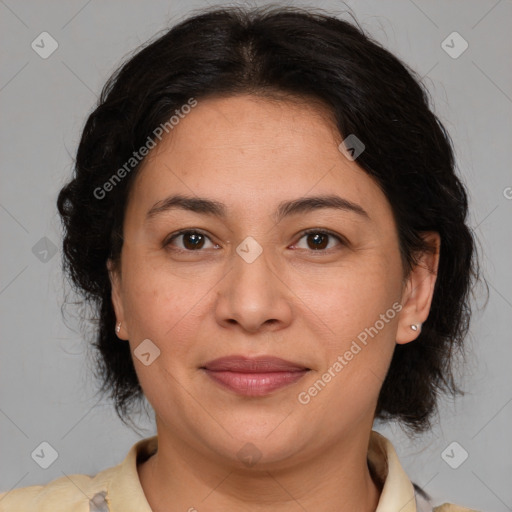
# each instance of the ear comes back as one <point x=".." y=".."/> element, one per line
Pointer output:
<point x="115" y="282"/>
<point x="419" y="290"/>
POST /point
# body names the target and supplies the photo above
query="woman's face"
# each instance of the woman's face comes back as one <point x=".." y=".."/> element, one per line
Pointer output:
<point x="248" y="282"/>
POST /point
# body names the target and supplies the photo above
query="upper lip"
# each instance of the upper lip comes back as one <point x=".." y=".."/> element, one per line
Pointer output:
<point x="261" y="364"/>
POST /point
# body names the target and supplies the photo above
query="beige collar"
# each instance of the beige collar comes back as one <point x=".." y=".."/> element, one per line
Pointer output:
<point x="125" y="492"/>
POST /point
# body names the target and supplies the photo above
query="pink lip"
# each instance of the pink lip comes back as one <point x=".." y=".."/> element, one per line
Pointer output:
<point x="256" y="376"/>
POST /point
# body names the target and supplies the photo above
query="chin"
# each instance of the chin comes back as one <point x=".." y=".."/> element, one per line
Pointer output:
<point x="261" y="444"/>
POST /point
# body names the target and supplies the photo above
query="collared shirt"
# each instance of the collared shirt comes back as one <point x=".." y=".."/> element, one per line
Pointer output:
<point x="118" y="489"/>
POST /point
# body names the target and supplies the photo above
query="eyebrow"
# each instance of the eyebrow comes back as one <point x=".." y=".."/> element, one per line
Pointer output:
<point x="206" y="206"/>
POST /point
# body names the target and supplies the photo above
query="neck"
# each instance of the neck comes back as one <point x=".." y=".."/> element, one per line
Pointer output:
<point x="337" y="480"/>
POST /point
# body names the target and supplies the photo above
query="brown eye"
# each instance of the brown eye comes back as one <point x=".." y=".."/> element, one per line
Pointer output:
<point x="193" y="241"/>
<point x="190" y="240"/>
<point x="317" y="240"/>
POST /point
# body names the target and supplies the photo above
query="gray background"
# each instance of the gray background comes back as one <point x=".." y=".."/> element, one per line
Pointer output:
<point x="46" y="390"/>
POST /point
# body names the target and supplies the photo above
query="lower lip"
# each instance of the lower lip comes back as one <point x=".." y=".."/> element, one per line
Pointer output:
<point x="255" y="384"/>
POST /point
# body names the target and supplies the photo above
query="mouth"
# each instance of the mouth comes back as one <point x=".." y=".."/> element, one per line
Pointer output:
<point x="258" y="376"/>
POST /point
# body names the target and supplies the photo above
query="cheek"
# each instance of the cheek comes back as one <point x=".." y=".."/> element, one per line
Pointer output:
<point x="356" y="310"/>
<point x="347" y="299"/>
<point x="162" y="309"/>
<point x="361" y="310"/>
<point x="159" y="305"/>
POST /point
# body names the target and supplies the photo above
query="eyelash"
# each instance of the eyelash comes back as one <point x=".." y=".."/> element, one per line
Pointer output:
<point x="173" y="236"/>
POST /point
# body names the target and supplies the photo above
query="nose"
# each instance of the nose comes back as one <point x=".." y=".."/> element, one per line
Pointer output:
<point x="253" y="296"/>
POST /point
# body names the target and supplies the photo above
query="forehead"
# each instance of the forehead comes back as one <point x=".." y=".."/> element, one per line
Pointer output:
<point x="238" y="127"/>
<point x="247" y="150"/>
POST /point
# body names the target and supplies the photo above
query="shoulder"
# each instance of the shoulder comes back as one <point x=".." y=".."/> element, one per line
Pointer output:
<point x="397" y="488"/>
<point x="450" y="507"/>
<point x="72" y="492"/>
<point x="423" y="503"/>
<point x="117" y="487"/>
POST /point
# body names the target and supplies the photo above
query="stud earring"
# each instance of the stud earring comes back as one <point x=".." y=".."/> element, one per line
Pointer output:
<point x="118" y="327"/>
<point x="414" y="327"/>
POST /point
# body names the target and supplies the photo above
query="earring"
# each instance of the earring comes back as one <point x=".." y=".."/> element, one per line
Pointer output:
<point x="118" y="327"/>
<point x="414" y="327"/>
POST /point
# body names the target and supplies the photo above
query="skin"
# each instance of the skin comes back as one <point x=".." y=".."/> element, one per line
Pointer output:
<point x="293" y="302"/>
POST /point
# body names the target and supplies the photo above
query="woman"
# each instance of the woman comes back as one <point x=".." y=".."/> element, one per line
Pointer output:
<point x="265" y="212"/>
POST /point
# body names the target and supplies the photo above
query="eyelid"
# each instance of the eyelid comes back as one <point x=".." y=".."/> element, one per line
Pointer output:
<point x="323" y="231"/>
<point x="167" y="241"/>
